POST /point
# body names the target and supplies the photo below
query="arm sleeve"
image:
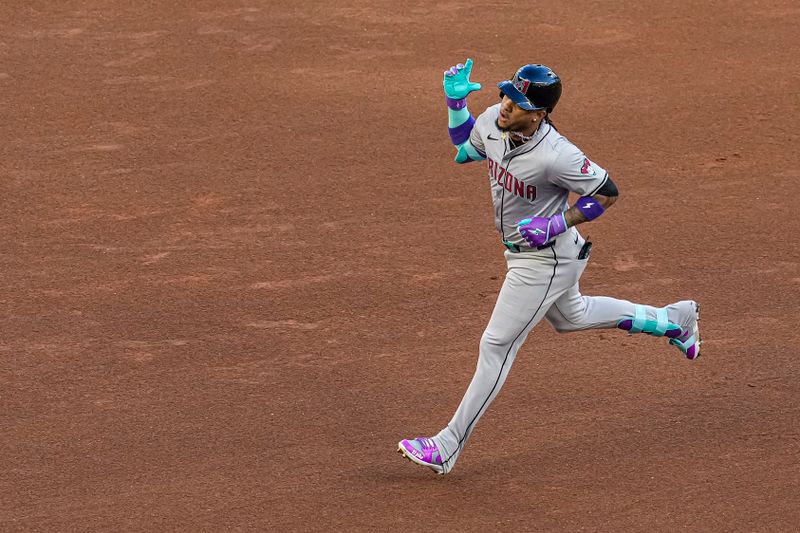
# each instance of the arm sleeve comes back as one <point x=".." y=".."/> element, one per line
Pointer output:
<point x="461" y="128"/>
<point x="573" y="171"/>
<point x="472" y="149"/>
<point x="609" y="189"/>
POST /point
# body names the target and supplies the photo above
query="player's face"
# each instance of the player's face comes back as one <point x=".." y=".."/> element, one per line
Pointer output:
<point x="514" y="118"/>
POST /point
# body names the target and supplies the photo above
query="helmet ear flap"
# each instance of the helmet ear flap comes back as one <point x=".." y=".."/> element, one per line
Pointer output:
<point x="502" y="94"/>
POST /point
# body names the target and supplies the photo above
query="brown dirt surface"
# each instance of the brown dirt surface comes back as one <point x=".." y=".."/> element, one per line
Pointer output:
<point x="238" y="264"/>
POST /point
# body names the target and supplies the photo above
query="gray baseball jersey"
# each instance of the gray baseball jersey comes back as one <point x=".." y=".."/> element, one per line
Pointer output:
<point x="534" y="179"/>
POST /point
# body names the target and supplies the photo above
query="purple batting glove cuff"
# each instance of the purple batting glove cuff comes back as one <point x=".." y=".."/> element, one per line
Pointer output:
<point x="460" y="134"/>
<point x="590" y="207"/>
<point x="456" y="104"/>
<point x="558" y="225"/>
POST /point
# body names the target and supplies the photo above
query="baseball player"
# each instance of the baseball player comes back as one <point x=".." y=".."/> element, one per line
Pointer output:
<point x="532" y="168"/>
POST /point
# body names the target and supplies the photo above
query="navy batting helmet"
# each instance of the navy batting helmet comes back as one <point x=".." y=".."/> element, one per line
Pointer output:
<point x="533" y="87"/>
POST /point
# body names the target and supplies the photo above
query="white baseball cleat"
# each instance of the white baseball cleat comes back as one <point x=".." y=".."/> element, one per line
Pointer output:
<point x="422" y="451"/>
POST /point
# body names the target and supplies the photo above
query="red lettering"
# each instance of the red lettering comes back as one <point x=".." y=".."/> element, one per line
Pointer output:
<point x="519" y="188"/>
<point x="530" y="192"/>
<point x="508" y="181"/>
<point x="500" y="176"/>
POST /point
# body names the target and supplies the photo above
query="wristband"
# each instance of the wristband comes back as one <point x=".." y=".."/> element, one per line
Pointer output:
<point x="456" y="104"/>
<point x="590" y="207"/>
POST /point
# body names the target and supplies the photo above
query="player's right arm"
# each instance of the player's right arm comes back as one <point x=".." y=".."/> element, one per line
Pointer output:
<point x="574" y="172"/>
<point x="460" y="122"/>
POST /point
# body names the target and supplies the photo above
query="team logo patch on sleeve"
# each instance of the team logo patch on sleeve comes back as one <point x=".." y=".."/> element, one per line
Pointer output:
<point x="587" y="168"/>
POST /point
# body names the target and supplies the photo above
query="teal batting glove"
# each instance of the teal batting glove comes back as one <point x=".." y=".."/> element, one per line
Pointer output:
<point x="456" y="81"/>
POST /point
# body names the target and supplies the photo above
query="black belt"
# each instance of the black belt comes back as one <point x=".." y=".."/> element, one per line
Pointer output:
<point x="515" y="248"/>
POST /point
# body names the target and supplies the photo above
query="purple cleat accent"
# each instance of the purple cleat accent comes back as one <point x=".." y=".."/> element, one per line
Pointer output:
<point x="422" y="451"/>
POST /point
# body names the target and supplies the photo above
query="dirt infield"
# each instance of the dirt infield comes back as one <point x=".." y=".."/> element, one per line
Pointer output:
<point x="238" y="264"/>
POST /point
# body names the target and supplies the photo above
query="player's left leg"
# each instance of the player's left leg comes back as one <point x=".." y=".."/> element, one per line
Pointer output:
<point x="676" y="321"/>
<point x="533" y="282"/>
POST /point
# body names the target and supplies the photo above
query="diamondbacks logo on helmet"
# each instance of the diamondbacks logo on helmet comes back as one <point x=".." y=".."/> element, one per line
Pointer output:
<point x="587" y="167"/>
<point x="521" y="84"/>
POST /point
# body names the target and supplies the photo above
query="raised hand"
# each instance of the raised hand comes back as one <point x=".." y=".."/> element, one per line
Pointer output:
<point x="456" y="81"/>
